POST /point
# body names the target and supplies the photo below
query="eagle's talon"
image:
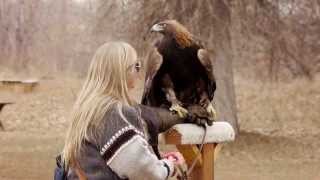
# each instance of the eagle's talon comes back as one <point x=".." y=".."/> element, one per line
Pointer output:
<point x="204" y="103"/>
<point x="213" y="114"/>
<point x="182" y="112"/>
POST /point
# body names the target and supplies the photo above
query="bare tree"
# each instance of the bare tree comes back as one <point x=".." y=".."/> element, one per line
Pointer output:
<point x="60" y="36"/>
<point x="288" y="29"/>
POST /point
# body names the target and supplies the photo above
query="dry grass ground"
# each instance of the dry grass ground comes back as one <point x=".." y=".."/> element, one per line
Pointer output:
<point x="290" y="109"/>
<point x="278" y="140"/>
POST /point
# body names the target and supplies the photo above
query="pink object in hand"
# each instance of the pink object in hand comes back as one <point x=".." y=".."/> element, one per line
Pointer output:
<point x="175" y="157"/>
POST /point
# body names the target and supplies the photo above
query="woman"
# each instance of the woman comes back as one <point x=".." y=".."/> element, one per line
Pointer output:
<point x="109" y="133"/>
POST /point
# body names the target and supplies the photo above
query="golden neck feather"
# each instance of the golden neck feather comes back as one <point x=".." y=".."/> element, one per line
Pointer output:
<point x="183" y="36"/>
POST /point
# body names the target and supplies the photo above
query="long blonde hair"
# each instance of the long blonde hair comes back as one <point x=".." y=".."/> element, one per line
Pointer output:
<point x="105" y="86"/>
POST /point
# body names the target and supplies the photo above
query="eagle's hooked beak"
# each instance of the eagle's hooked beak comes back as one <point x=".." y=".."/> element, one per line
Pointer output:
<point x="157" y="28"/>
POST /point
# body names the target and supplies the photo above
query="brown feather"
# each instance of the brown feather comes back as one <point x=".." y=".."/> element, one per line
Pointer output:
<point x="180" y="33"/>
<point x="153" y="62"/>
<point x="206" y="61"/>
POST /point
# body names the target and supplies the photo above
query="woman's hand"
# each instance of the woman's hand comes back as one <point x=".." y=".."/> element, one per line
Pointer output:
<point x="175" y="157"/>
<point x="180" y="167"/>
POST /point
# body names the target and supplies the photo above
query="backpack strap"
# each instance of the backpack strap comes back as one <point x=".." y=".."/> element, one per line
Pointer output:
<point x="80" y="173"/>
<point x="60" y="172"/>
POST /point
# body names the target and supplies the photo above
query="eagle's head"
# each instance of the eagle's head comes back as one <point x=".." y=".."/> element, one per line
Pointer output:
<point x="173" y="29"/>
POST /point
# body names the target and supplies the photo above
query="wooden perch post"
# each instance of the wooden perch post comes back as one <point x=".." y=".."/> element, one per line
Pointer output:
<point x="187" y="136"/>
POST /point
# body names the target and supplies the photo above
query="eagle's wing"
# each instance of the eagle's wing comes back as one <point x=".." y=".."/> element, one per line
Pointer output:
<point x="153" y="63"/>
<point x="207" y="62"/>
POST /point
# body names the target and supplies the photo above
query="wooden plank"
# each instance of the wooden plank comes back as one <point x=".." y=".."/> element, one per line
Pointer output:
<point x="19" y="86"/>
<point x="172" y="137"/>
<point x="207" y="168"/>
<point x="217" y="149"/>
<point x="189" y="153"/>
<point x="195" y="174"/>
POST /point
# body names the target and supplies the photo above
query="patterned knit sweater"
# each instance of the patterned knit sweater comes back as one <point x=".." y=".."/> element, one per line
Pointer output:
<point x="121" y="149"/>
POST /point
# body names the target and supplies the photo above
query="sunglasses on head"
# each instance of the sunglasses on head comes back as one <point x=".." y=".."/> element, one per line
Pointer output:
<point x="135" y="67"/>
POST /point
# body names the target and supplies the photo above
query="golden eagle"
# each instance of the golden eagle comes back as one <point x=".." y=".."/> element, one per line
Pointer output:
<point x="182" y="75"/>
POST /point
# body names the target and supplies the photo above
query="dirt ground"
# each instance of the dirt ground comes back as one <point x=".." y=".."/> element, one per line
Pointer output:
<point x="279" y="137"/>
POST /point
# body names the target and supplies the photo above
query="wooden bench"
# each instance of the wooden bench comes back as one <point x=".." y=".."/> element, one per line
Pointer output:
<point x="19" y="85"/>
<point x="187" y="136"/>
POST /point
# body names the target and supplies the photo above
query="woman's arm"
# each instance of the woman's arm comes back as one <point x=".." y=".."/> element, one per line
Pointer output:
<point x="126" y="151"/>
<point x="160" y="119"/>
<point x="135" y="161"/>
